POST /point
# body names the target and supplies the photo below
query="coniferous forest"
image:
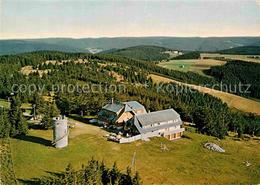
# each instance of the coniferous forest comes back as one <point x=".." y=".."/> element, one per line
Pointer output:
<point x="235" y="72"/>
<point x="210" y="115"/>
<point x="146" y="53"/>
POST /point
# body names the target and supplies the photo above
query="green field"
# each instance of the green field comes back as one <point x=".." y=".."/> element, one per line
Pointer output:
<point x="194" y="65"/>
<point x="6" y="105"/>
<point x="186" y="161"/>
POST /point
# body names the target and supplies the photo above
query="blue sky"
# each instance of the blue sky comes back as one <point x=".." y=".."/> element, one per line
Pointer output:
<point x="112" y="18"/>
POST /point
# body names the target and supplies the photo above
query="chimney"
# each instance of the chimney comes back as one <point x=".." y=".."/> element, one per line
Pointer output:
<point x="112" y="100"/>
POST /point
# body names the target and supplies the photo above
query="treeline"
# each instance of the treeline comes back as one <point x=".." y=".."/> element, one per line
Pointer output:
<point x="94" y="172"/>
<point x="233" y="73"/>
<point x="188" y="55"/>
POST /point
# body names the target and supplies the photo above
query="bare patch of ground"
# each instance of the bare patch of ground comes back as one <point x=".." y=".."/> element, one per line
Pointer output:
<point x="118" y="77"/>
<point x="83" y="128"/>
<point x="78" y="61"/>
<point x="29" y="69"/>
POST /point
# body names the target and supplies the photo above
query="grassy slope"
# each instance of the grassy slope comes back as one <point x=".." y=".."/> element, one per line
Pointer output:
<point x="4" y="103"/>
<point x="194" y="65"/>
<point x="186" y="162"/>
<point x="233" y="101"/>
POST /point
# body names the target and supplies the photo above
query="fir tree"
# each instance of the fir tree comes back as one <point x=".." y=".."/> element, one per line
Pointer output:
<point x="4" y="125"/>
<point x="18" y="124"/>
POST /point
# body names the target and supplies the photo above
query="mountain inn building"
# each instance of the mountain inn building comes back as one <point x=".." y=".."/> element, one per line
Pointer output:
<point x="137" y="123"/>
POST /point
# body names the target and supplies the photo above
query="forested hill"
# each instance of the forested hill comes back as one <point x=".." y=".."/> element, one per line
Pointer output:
<point x="235" y="72"/>
<point x="146" y="53"/>
<point x="210" y="114"/>
<point x="22" y="46"/>
<point x="244" y="50"/>
<point x="86" y="44"/>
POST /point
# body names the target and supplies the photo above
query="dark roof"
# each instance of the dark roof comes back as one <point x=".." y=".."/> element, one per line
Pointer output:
<point x="157" y="117"/>
<point x="106" y="115"/>
<point x="129" y="106"/>
<point x="114" y="107"/>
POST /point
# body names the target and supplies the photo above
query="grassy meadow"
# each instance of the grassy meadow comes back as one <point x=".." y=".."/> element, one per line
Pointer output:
<point x="194" y="65"/>
<point x="185" y="162"/>
<point x="6" y="105"/>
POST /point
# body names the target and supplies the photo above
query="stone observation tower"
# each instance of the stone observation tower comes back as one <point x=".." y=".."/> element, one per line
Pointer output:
<point x="60" y="132"/>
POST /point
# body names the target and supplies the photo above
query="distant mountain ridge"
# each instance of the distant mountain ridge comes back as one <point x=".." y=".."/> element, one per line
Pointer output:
<point x="243" y="50"/>
<point x="101" y="44"/>
<point x="23" y="46"/>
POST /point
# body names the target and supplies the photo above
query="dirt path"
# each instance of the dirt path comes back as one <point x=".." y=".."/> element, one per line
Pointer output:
<point x="83" y="128"/>
<point x="233" y="101"/>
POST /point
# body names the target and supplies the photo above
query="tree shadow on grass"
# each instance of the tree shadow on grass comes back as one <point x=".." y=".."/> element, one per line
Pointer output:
<point x="33" y="181"/>
<point x="35" y="139"/>
<point x="37" y="181"/>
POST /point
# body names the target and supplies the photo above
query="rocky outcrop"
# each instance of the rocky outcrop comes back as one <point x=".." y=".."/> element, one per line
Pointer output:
<point x="214" y="147"/>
